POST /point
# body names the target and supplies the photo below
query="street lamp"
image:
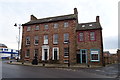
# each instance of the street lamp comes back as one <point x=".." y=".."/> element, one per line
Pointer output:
<point x="19" y="26"/>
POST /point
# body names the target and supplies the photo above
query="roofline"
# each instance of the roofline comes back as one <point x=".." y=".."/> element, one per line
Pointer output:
<point x="49" y="21"/>
<point x="89" y="29"/>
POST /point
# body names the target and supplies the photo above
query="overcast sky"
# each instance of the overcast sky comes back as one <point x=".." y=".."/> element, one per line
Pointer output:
<point x="19" y="11"/>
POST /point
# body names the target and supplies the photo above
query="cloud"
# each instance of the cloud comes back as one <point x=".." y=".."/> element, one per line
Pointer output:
<point x="19" y="11"/>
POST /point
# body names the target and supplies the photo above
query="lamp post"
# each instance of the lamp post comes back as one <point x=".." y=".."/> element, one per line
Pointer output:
<point x="19" y="27"/>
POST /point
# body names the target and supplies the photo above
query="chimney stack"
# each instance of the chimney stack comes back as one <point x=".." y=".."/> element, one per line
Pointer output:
<point x="32" y="17"/>
<point x="75" y="11"/>
<point x="97" y="19"/>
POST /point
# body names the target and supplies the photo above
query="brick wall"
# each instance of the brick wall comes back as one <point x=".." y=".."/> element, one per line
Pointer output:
<point x="41" y="32"/>
<point x="87" y="44"/>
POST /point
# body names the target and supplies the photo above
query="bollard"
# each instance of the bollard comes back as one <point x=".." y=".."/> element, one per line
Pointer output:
<point x="10" y="61"/>
<point x="88" y="65"/>
<point x="22" y="62"/>
<point x="43" y="64"/>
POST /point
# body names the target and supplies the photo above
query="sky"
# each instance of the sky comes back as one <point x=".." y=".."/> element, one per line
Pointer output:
<point x="19" y="11"/>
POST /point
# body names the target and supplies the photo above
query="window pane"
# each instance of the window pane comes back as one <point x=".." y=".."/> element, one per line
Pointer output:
<point x="66" y="24"/>
<point x="27" y="40"/>
<point x="55" y="38"/>
<point x="46" y="26"/>
<point x="55" y="25"/>
<point x="66" y="37"/>
<point x="45" y="39"/>
<point x="36" y="40"/>
<point x="28" y="28"/>
<point x="66" y="52"/>
<point x="81" y="36"/>
<point x="94" y="56"/>
<point x="37" y="27"/>
<point x="92" y="35"/>
<point x="27" y="53"/>
<point x="36" y="52"/>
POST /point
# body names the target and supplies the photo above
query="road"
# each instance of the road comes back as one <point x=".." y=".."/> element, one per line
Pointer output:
<point x="20" y="71"/>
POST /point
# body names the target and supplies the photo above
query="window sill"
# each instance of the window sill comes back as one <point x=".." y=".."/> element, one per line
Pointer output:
<point x="94" y="60"/>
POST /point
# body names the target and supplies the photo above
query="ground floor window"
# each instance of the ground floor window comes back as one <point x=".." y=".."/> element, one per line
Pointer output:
<point x="27" y="54"/>
<point x="66" y="52"/>
<point x="36" y="52"/>
<point x="95" y="55"/>
<point x="65" y="61"/>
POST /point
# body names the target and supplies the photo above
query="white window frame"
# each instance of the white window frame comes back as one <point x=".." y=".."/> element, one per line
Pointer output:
<point x="36" y="38"/>
<point x="55" y="41"/>
<point x="92" y="37"/>
<point x="55" y="25"/>
<point x="27" y="40"/>
<point x="66" y="40"/>
<point x="57" y="53"/>
<point x="37" y="53"/>
<point x="45" y="39"/>
<point x="46" y="26"/>
<point x="26" y="53"/>
<point x="37" y="27"/>
<point x="66" y="52"/>
<point x="81" y="36"/>
<point x="28" y="28"/>
<point x="66" y="24"/>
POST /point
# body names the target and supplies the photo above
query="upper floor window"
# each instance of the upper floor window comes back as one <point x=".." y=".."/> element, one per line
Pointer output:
<point x="36" y="40"/>
<point x="65" y="24"/>
<point x="92" y="36"/>
<point x="66" y="38"/>
<point x="37" y="27"/>
<point x="81" y="36"/>
<point x="45" y="39"/>
<point x="56" y="25"/>
<point x="28" y="28"/>
<point x="28" y="40"/>
<point x="27" y="54"/>
<point x="46" y="26"/>
<point x="55" y="39"/>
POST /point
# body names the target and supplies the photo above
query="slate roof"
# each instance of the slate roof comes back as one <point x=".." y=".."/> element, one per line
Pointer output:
<point x="51" y="19"/>
<point x="89" y="26"/>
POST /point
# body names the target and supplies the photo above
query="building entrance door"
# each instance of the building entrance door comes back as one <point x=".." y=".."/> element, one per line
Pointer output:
<point x="55" y="55"/>
<point x="83" y="56"/>
<point x="45" y="52"/>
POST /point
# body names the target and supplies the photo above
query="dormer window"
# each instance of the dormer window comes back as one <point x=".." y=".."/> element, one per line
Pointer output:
<point x="90" y="24"/>
<point x="83" y="25"/>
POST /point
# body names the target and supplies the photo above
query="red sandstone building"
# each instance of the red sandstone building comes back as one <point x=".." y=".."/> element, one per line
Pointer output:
<point x="62" y="39"/>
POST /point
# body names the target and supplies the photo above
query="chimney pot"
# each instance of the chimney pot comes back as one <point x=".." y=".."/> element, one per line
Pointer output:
<point x="97" y="19"/>
<point x="75" y="11"/>
<point x="32" y="17"/>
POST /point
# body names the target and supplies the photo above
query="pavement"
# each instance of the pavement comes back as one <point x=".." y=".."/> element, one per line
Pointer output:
<point x="109" y="70"/>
